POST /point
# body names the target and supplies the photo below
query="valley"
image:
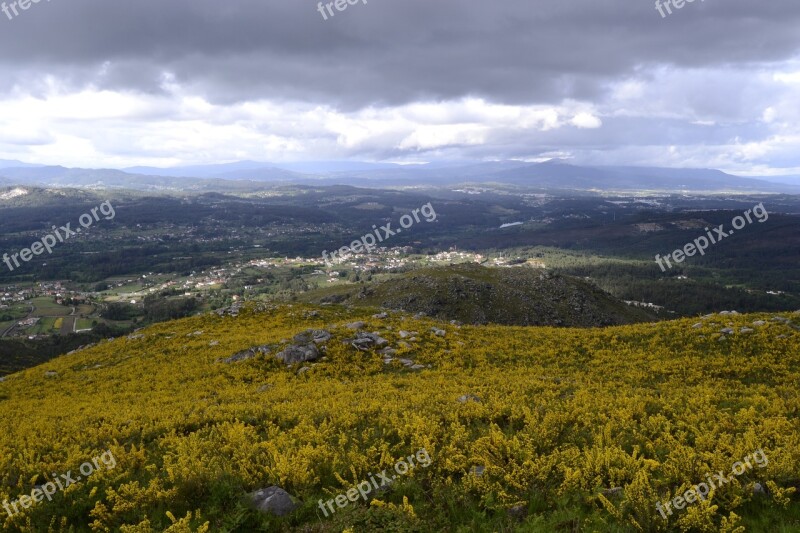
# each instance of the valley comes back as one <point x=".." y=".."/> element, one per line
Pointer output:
<point x="165" y="257"/>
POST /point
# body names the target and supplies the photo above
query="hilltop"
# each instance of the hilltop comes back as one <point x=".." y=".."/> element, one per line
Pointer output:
<point x="474" y="294"/>
<point x="527" y="428"/>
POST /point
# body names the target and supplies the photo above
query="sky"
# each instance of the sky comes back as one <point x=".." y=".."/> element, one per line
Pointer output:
<point x="116" y="83"/>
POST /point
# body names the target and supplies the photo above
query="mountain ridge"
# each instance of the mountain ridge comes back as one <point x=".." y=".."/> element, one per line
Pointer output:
<point x="252" y="175"/>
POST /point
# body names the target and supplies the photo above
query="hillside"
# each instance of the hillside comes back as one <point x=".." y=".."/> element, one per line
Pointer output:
<point x="529" y="429"/>
<point x="473" y="294"/>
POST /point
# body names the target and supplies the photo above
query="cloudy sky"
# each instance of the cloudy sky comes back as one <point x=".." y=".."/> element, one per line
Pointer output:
<point x="113" y="83"/>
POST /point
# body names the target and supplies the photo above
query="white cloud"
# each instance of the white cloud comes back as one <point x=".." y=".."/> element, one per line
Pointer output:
<point x="586" y="120"/>
<point x="736" y="120"/>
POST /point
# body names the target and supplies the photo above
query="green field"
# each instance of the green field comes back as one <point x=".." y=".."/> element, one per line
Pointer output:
<point x="84" y="323"/>
<point x="85" y="309"/>
<point x="45" y="306"/>
<point x="45" y="326"/>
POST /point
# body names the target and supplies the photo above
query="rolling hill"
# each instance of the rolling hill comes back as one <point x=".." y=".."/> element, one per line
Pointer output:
<point x="474" y="294"/>
<point x="526" y="428"/>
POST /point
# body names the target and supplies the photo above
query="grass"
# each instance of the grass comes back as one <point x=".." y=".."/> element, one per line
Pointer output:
<point x="83" y="323"/>
<point x="45" y="306"/>
<point x="45" y="326"/>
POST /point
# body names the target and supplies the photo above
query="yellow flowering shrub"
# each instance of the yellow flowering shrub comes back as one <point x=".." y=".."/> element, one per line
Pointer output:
<point x="567" y="428"/>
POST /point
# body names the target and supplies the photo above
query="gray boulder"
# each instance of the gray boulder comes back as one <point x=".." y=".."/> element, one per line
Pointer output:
<point x="273" y="500"/>
<point x="469" y="398"/>
<point x="362" y="344"/>
<point x="244" y="355"/>
<point x="317" y="336"/>
<point x="364" y="341"/>
<point x="376" y="338"/>
<point x="297" y="353"/>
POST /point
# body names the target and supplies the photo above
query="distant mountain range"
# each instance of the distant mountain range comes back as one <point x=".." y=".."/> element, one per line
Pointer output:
<point x="10" y="163"/>
<point x="244" y="176"/>
<point x="243" y="168"/>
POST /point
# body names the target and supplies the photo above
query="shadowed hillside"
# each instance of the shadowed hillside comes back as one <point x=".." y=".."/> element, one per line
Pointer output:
<point x="474" y="294"/>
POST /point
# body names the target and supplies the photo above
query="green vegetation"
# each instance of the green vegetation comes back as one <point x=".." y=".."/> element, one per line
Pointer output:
<point x="477" y="295"/>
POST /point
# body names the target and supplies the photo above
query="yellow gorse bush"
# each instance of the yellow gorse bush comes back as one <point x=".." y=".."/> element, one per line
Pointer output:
<point x="560" y="412"/>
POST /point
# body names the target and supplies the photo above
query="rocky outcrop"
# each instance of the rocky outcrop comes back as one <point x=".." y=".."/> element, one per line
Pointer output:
<point x="233" y="310"/>
<point x="365" y="341"/>
<point x="316" y="336"/>
<point x="247" y="354"/>
<point x="299" y="353"/>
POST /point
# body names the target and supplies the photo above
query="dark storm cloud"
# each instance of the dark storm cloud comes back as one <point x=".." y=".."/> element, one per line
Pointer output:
<point x="386" y="52"/>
